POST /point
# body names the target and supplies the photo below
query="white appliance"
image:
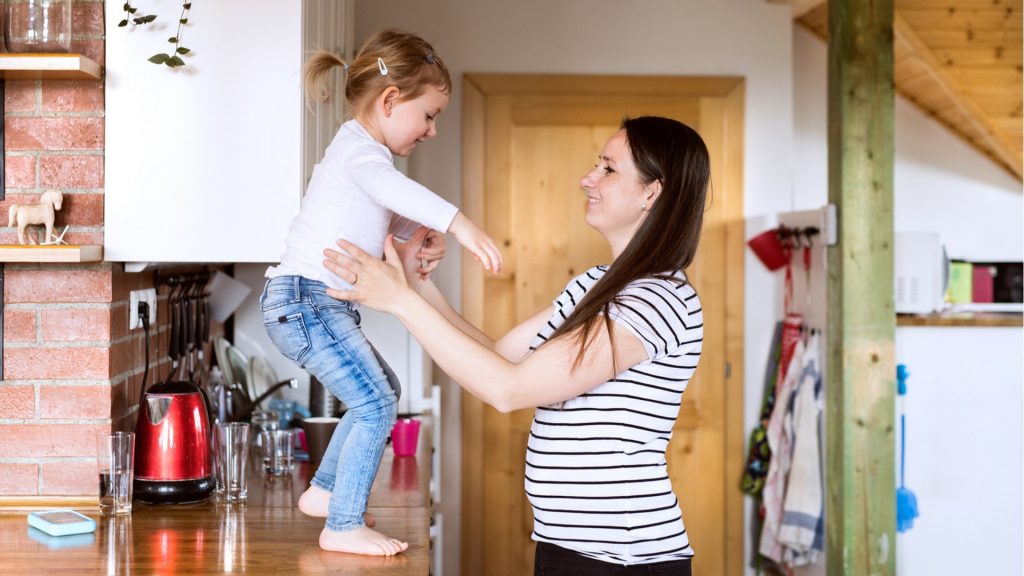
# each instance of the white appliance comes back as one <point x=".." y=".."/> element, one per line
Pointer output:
<point x="921" y="274"/>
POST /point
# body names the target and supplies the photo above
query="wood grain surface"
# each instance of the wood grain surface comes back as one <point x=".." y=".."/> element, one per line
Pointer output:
<point x="266" y="535"/>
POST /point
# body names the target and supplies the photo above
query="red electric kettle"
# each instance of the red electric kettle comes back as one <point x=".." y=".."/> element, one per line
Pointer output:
<point x="172" y="445"/>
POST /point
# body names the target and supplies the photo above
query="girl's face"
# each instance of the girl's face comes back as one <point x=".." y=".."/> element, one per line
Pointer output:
<point x="409" y="122"/>
<point x="616" y="198"/>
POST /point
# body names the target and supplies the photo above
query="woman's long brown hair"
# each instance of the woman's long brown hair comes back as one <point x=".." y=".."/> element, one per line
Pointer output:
<point x="671" y="152"/>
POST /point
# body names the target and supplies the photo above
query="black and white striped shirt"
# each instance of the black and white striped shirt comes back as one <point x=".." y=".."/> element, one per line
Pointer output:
<point x="595" y="466"/>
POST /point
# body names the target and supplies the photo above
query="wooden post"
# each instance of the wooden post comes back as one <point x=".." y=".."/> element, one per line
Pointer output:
<point x="861" y="501"/>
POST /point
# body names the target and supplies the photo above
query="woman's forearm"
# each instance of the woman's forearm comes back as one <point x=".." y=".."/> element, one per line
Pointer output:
<point x="428" y="290"/>
<point x="459" y="352"/>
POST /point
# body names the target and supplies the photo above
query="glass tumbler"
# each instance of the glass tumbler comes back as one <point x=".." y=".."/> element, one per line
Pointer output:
<point x="37" y="25"/>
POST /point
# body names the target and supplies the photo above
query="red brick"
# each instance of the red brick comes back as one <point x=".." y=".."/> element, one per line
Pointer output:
<point x="71" y="402"/>
<point x="125" y="282"/>
<point x="76" y="325"/>
<point x="17" y="401"/>
<point x="87" y="18"/>
<point x="19" y="479"/>
<point x="67" y="133"/>
<point x="56" y="363"/>
<point x="72" y="96"/>
<point x="71" y="172"/>
<point x="57" y="286"/>
<point x="70" y="478"/>
<point x="20" y="96"/>
<point x="19" y="172"/>
<point x="19" y="325"/>
<point x="94" y="49"/>
<point x="50" y="440"/>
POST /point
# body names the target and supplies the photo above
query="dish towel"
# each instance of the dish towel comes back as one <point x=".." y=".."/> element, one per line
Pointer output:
<point x="774" y="491"/>
<point x="804" y="504"/>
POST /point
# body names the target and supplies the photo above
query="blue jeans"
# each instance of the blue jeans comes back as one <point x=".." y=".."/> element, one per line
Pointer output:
<point x="322" y="335"/>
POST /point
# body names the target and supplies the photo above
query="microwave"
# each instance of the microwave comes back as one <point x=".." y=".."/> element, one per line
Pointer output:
<point x="921" y="272"/>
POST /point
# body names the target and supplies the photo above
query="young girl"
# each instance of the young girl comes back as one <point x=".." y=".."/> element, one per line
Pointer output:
<point x="397" y="86"/>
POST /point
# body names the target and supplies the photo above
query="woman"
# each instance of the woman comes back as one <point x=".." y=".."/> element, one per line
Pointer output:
<point x="605" y="365"/>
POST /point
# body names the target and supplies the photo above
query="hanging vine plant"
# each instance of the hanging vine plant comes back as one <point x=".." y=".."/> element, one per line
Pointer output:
<point x="173" y="60"/>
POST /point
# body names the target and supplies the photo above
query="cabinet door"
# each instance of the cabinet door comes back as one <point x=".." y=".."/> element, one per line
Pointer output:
<point x="204" y="162"/>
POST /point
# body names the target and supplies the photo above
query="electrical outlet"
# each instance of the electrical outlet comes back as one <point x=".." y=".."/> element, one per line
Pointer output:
<point x="134" y="297"/>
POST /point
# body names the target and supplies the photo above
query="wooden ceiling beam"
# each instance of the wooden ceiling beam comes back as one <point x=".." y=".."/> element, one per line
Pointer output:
<point x="971" y="112"/>
<point x="800" y="7"/>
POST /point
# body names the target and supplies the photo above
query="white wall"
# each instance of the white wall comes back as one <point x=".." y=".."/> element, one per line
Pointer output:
<point x="964" y="404"/>
<point x="751" y="38"/>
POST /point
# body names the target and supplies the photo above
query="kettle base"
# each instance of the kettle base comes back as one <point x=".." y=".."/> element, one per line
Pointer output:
<point x="173" y="491"/>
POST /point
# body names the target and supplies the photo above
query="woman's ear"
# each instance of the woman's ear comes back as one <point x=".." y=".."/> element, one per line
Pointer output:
<point x="651" y="192"/>
<point x="387" y="100"/>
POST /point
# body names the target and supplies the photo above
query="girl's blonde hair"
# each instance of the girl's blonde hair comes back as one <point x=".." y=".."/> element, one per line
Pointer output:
<point x="389" y="58"/>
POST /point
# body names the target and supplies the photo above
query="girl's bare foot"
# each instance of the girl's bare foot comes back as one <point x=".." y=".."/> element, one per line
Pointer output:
<point x="314" y="502"/>
<point x="361" y="541"/>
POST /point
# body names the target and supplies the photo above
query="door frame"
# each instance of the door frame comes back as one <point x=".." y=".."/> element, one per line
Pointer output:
<point x="476" y="89"/>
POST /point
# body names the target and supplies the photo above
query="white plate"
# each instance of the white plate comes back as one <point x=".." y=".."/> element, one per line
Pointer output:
<point x="261" y="376"/>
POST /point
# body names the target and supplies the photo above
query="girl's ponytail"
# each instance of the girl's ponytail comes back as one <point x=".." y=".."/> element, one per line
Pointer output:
<point x="316" y="73"/>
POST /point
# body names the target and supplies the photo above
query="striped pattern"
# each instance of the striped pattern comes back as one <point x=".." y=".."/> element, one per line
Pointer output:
<point x="595" y="466"/>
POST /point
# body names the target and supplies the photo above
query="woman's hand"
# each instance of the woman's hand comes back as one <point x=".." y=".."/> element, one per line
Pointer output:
<point x="381" y="285"/>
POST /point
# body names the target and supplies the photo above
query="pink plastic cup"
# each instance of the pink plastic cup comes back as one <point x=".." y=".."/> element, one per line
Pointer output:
<point x="404" y="436"/>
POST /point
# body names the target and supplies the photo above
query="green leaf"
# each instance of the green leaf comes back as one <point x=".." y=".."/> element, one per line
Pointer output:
<point x="127" y="6"/>
<point x="133" y="10"/>
<point x="159" y="58"/>
<point x="173" y="39"/>
<point x="122" y="23"/>
<point x="183" y="50"/>
<point x="187" y="5"/>
<point x="175" y="61"/>
<point x="148" y="19"/>
<point x="183" y="20"/>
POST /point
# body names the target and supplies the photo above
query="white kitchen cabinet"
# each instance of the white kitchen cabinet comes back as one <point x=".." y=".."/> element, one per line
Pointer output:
<point x="208" y="162"/>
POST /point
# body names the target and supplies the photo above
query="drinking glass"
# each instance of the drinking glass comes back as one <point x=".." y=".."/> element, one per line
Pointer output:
<point x="115" y="455"/>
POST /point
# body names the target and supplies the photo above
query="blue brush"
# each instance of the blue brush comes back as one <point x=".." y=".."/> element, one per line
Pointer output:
<point x="906" y="501"/>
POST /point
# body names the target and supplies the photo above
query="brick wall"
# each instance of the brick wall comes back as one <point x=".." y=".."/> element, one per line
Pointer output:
<point x="71" y="369"/>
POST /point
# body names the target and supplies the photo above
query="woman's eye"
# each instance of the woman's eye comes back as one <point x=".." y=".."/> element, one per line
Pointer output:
<point x="608" y="170"/>
<point x="430" y="118"/>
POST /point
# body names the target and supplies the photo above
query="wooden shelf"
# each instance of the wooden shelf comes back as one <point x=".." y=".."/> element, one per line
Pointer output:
<point x="962" y="319"/>
<point x="37" y="254"/>
<point x="23" y="66"/>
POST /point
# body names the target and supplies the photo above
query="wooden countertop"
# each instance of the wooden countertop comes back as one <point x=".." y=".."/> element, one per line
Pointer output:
<point x="267" y="535"/>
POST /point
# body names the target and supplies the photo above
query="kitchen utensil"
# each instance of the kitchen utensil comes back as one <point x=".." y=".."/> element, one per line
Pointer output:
<point x="318" y="435"/>
<point x="114" y="465"/>
<point x="278" y="452"/>
<point x="172" y="460"/>
<point x="172" y="430"/>
<point x="906" y="501"/>
<point x="405" y="434"/>
<point x="232" y="457"/>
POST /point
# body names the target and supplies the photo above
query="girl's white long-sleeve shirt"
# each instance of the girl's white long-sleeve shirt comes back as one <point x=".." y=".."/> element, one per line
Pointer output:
<point x="354" y="193"/>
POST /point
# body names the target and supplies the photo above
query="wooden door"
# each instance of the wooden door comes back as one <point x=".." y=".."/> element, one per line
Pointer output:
<point x="527" y="141"/>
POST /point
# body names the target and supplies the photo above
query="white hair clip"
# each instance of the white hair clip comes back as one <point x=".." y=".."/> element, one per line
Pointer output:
<point x="380" y="66"/>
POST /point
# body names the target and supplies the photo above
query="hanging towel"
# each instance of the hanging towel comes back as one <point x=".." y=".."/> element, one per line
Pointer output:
<point x="804" y="504"/>
<point x="778" y="467"/>
<point x="758" y="453"/>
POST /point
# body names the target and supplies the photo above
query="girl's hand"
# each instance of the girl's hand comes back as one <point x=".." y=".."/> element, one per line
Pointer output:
<point x="381" y="285"/>
<point x="479" y="244"/>
<point x="432" y="251"/>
